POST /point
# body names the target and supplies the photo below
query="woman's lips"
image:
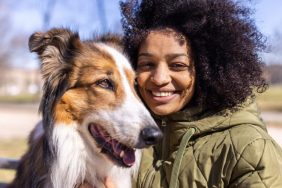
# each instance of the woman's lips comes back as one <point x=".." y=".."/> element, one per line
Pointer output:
<point x="162" y="96"/>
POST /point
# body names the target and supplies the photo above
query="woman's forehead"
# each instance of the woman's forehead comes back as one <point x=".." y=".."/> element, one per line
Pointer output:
<point x="163" y="42"/>
<point x="170" y="32"/>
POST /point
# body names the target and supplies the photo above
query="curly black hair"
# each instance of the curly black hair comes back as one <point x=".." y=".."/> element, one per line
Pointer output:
<point x="224" y="40"/>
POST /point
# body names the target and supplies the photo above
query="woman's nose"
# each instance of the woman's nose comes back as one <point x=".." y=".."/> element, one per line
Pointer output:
<point x="161" y="75"/>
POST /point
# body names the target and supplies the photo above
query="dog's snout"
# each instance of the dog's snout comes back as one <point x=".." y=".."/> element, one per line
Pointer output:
<point x="151" y="135"/>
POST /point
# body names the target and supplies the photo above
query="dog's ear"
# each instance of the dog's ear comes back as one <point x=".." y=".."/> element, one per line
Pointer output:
<point x="56" y="49"/>
<point x="111" y="39"/>
<point x="38" y="41"/>
<point x="62" y="39"/>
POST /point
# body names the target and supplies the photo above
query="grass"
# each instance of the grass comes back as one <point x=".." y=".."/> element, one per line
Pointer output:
<point x="23" y="98"/>
<point x="11" y="149"/>
<point x="271" y="100"/>
<point x="6" y="147"/>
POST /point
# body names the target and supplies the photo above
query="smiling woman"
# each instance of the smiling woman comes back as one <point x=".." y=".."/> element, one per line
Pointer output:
<point x="198" y="71"/>
<point x="165" y="72"/>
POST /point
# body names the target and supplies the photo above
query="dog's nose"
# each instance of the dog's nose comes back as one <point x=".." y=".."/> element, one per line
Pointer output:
<point x="151" y="135"/>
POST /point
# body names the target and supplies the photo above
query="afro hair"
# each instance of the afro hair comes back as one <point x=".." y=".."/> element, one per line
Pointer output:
<point x="224" y="40"/>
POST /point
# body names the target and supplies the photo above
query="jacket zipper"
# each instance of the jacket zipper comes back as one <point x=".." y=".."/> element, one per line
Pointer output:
<point x="163" y="123"/>
<point x="164" y="128"/>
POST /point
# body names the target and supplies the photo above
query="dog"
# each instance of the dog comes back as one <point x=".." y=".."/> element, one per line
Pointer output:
<point x="92" y="118"/>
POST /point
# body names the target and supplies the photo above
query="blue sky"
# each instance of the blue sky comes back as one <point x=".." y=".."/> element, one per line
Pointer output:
<point x="79" y="15"/>
<point x="26" y="16"/>
<point x="268" y="16"/>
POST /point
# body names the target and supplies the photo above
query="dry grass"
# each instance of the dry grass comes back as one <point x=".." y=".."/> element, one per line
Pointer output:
<point x="13" y="148"/>
<point x="271" y="100"/>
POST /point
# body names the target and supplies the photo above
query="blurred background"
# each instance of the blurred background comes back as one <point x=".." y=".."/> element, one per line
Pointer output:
<point x="20" y="82"/>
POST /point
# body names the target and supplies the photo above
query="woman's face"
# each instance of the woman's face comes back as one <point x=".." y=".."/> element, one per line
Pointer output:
<point x="165" y="72"/>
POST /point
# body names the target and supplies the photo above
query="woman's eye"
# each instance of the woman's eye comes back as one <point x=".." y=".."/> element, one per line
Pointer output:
<point x="145" y="65"/>
<point x="179" y="66"/>
<point x="106" y="84"/>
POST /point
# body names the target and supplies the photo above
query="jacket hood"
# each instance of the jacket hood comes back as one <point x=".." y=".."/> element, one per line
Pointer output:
<point x="206" y="123"/>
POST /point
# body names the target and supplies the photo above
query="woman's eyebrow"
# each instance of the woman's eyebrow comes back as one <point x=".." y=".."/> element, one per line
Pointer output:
<point x="170" y="56"/>
<point x="175" y="55"/>
<point x="145" y="54"/>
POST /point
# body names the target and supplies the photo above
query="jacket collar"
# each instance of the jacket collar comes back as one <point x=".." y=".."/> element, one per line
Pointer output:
<point x="206" y="122"/>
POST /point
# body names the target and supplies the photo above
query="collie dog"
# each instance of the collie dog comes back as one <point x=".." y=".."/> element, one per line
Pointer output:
<point x="92" y="119"/>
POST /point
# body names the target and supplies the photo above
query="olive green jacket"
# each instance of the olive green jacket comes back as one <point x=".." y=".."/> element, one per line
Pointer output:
<point x="227" y="150"/>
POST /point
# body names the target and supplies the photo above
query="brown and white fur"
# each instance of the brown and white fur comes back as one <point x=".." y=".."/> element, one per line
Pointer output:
<point x="89" y="107"/>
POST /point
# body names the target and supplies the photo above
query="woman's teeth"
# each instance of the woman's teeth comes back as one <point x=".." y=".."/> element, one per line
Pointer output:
<point x="162" y="94"/>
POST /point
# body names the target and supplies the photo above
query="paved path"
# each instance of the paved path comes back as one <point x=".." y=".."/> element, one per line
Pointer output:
<point x="272" y="116"/>
<point x="276" y="133"/>
<point x="16" y="121"/>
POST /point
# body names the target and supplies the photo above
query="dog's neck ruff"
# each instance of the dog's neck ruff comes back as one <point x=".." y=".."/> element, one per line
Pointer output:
<point x="69" y="166"/>
<point x="73" y="164"/>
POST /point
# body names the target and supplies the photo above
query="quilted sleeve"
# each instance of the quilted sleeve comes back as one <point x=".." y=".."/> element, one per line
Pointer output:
<point x="259" y="165"/>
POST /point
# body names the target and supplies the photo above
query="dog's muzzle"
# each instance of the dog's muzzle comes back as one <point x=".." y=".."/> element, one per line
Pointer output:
<point x="149" y="136"/>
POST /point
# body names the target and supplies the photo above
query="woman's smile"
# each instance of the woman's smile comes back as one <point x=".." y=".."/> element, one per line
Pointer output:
<point x="165" y="72"/>
<point x="163" y="96"/>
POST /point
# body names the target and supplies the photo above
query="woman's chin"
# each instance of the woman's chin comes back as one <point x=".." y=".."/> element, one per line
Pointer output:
<point x="162" y="110"/>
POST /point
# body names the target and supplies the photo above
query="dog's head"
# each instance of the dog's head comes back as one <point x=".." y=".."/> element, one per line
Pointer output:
<point x="90" y="85"/>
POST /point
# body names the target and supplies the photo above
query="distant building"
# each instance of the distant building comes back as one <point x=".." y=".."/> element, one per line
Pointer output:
<point x="273" y="73"/>
<point x="15" y="81"/>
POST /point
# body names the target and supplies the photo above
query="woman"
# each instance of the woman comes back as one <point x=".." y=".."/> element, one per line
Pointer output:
<point x="198" y="70"/>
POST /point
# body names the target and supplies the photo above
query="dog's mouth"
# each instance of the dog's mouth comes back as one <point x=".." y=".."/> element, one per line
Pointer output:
<point x="116" y="151"/>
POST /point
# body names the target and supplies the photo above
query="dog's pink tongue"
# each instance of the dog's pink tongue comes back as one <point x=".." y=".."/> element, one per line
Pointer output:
<point x="129" y="157"/>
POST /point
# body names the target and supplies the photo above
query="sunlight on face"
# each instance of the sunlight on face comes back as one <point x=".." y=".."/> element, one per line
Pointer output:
<point x="165" y="72"/>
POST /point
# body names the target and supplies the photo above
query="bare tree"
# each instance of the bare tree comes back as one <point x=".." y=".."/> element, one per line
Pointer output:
<point x="274" y="49"/>
<point x="273" y="73"/>
<point x="102" y="14"/>
<point x="47" y="13"/>
<point x="4" y="50"/>
<point x="273" y="59"/>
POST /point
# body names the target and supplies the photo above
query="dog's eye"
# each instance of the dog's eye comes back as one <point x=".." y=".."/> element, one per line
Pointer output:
<point x="106" y="84"/>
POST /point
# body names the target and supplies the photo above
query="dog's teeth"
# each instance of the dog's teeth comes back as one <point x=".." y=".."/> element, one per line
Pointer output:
<point x="121" y="154"/>
<point x="108" y="139"/>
